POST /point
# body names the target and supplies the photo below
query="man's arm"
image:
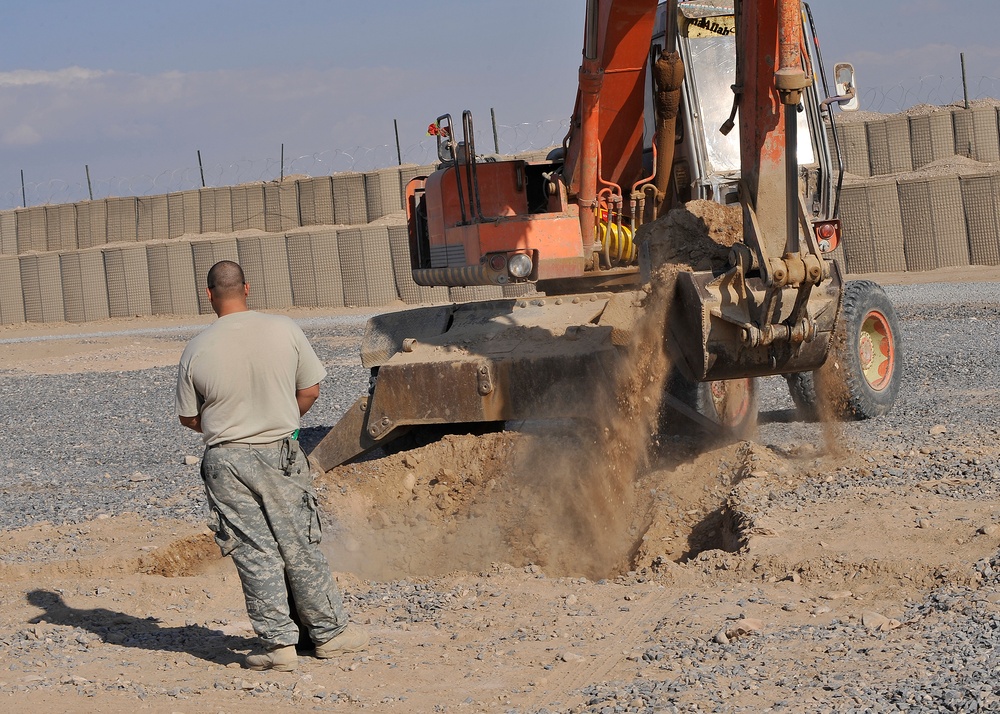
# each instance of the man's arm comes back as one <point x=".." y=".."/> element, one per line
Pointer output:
<point x="306" y="397"/>
<point x="193" y="423"/>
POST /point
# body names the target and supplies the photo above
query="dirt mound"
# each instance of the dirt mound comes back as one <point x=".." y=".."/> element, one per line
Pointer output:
<point x="565" y="497"/>
<point x="698" y="234"/>
<point x="183" y="557"/>
<point x="557" y="495"/>
<point x="100" y="549"/>
<point x="467" y="502"/>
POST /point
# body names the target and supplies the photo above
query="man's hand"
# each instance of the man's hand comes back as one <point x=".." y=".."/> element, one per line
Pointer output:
<point x="306" y="397"/>
<point x="193" y="423"/>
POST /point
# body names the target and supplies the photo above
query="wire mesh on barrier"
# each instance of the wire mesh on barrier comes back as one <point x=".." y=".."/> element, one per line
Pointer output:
<point x="938" y="90"/>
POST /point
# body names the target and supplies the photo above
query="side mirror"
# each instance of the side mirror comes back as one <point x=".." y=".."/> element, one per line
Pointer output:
<point x="847" y="92"/>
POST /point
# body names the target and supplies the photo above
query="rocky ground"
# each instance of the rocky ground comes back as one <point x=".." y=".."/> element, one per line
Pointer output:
<point x="811" y="568"/>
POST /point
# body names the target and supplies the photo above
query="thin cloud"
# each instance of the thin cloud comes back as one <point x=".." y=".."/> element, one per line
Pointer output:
<point x="60" y="77"/>
<point x="935" y="58"/>
<point x="21" y="135"/>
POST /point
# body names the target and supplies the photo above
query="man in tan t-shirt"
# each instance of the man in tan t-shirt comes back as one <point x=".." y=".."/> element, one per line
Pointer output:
<point x="243" y="384"/>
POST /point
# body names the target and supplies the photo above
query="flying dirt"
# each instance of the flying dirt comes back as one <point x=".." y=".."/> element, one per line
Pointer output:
<point x="576" y="497"/>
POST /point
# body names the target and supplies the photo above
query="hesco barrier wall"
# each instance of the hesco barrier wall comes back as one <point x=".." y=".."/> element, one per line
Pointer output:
<point x="328" y="241"/>
<point x="921" y="191"/>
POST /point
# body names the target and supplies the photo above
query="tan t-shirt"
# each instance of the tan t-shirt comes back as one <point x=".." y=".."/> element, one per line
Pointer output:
<point x="241" y="374"/>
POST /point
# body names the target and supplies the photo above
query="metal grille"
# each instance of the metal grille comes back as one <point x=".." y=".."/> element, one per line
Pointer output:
<point x="8" y="233"/>
<point x="172" y="289"/>
<point x="854" y="146"/>
<point x="248" y="207"/>
<point x="984" y="127"/>
<point x="30" y="227"/>
<point x="11" y="293"/>
<point x="128" y="281"/>
<point x="378" y="263"/>
<point x="349" y="206"/>
<point x="265" y="264"/>
<point x="314" y="266"/>
<point x="382" y="193"/>
<point x="889" y="146"/>
<point x="475" y="292"/>
<point x="122" y="220"/>
<point x="933" y="223"/>
<point x="352" y="269"/>
<point x="932" y="137"/>
<point x="316" y="201"/>
<point x="41" y="283"/>
<point x="980" y="196"/>
<point x="443" y="256"/>
<point x="152" y="218"/>
<point x="84" y="286"/>
<point x="281" y="210"/>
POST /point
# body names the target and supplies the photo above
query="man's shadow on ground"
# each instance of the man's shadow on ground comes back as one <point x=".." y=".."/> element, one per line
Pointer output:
<point x="118" y="628"/>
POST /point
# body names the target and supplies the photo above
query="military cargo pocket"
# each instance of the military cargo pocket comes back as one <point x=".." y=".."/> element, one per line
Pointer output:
<point x="315" y="528"/>
<point x="224" y="537"/>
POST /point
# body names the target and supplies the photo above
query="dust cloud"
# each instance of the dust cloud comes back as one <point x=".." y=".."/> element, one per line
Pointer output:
<point x="575" y="497"/>
<point x="582" y="511"/>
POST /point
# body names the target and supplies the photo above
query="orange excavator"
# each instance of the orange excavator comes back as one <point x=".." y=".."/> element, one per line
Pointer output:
<point x="677" y="101"/>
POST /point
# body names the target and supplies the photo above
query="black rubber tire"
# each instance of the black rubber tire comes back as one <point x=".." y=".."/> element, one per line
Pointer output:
<point x="864" y="370"/>
<point x="802" y="387"/>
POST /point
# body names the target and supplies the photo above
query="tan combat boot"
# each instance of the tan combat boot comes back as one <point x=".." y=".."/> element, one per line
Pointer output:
<point x="280" y="659"/>
<point x="352" y="639"/>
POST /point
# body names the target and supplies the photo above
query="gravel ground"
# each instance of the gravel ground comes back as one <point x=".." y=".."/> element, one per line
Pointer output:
<point x="79" y="445"/>
<point x="82" y="444"/>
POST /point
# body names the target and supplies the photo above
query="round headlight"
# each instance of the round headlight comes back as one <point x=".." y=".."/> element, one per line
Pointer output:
<point x="519" y="265"/>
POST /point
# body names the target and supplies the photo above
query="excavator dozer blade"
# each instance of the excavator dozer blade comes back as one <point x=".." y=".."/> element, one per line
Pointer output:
<point x="496" y="361"/>
<point x="346" y="440"/>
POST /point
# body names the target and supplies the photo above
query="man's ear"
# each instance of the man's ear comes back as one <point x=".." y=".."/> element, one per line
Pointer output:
<point x="246" y="289"/>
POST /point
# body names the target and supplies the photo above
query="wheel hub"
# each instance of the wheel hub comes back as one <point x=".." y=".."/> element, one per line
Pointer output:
<point x="875" y="350"/>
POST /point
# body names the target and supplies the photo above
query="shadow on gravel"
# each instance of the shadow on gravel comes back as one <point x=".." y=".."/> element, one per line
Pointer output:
<point x="780" y="416"/>
<point x="118" y="628"/>
<point x="309" y="436"/>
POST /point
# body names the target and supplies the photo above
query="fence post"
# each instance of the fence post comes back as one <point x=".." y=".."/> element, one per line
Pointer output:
<point x="496" y="141"/>
<point x="965" y="87"/>
<point x="90" y="190"/>
<point x="24" y="200"/>
<point x="399" y="155"/>
<point x="201" y="169"/>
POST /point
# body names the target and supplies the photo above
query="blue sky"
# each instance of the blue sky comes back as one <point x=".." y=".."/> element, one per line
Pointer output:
<point x="133" y="89"/>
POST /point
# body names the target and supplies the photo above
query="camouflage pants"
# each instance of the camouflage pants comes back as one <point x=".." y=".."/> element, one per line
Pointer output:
<point x="265" y="516"/>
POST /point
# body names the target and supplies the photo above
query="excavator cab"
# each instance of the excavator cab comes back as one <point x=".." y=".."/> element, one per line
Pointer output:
<point x="708" y="158"/>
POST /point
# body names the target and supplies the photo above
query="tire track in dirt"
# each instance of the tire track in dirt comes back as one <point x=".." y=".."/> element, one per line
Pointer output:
<point x="625" y="631"/>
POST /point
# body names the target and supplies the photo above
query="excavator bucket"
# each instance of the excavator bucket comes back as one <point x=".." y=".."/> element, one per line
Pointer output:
<point x="714" y="329"/>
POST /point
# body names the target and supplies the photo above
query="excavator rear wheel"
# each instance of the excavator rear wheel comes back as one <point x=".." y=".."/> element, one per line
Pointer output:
<point x="863" y="372"/>
<point x="731" y="404"/>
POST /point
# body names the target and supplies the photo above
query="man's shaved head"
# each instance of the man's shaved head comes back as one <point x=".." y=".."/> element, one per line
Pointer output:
<point x="226" y="279"/>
